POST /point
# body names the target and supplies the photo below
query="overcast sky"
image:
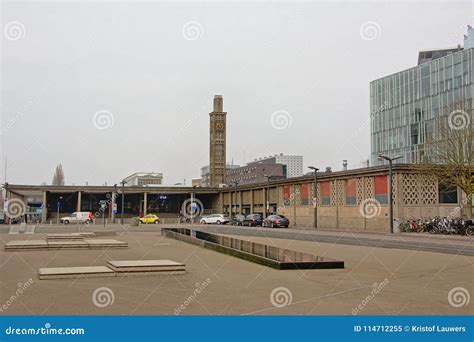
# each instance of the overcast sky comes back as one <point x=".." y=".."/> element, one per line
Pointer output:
<point x="112" y="88"/>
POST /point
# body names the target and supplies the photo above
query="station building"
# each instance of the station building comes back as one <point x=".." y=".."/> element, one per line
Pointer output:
<point x="348" y="200"/>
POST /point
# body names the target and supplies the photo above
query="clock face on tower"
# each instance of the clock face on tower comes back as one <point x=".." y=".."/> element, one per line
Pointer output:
<point x="219" y="126"/>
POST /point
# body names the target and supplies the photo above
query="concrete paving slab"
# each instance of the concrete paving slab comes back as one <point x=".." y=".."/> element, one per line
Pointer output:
<point x="75" y="272"/>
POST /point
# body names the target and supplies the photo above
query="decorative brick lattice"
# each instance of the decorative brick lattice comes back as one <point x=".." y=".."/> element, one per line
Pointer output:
<point x="429" y="189"/>
<point x="333" y="192"/>
<point x="318" y="193"/>
<point x="296" y="194"/>
<point x="394" y="189"/>
<point x="410" y="189"/>
<point x="280" y="195"/>
<point x="311" y="192"/>
<point x="341" y="198"/>
<point x="359" y="190"/>
<point x="369" y="187"/>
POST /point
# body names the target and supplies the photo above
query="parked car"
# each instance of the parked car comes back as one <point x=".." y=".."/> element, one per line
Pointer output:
<point x="275" y="221"/>
<point x="78" y="217"/>
<point x="253" y="220"/>
<point x="237" y="220"/>
<point x="150" y="218"/>
<point x="215" y="218"/>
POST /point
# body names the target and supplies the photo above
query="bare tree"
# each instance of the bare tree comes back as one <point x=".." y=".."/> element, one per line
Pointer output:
<point x="453" y="157"/>
<point x="58" y="177"/>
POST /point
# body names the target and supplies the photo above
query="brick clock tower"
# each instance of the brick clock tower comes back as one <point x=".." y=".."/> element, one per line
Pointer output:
<point x="217" y="144"/>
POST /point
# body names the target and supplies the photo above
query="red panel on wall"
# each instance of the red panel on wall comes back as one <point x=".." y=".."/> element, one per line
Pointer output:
<point x="350" y="188"/>
<point x="304" y="194"/>
<point x="304" y="190"/>
<point x="286" y="192"/>
<point x="325" y="189"/>
<point x="381" y="187"/>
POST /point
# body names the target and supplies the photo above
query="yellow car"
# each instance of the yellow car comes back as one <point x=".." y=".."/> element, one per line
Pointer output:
<point x="150" y="218"/>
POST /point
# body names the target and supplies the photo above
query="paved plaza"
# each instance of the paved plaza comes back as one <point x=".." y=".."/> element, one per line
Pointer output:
<point x="375" y="280"/>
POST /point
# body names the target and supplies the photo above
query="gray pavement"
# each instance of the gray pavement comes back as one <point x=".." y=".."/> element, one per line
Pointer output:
<point x="450" y="244"/>
<point x="375" y="281"/>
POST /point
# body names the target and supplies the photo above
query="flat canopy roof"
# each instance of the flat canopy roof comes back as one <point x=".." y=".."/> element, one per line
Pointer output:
<point x="39" y="189"/>
<point x="373" y="170"/>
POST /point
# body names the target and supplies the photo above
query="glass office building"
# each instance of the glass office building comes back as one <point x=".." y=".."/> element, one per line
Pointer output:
<point x="408" y="108"/>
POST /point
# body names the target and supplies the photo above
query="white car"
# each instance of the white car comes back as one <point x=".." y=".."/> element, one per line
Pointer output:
<point x="78" y="217"/>
<point x="215" y="219"/>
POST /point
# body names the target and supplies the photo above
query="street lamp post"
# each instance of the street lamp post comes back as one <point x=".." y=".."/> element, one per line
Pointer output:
<point x="235" y="185"/>
<point x="123" y="182"/>
<point x="267" y="205"/>
<point x="58" y="205"/>
<point x="390" y="181"/>
<point x="315" y="198"/>
<point x="114" y="197"/>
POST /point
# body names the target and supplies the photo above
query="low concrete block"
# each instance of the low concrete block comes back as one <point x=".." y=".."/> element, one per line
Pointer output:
<point x="20" y="245"/>
<point x="148" y="273"/>
<point x="75" y="272"/>
<point x="68" y="244"/>
<point x="104" y="232"/>
<point x="145" y="265"/>
<point x="65" y="236"/>
<point x="105" y="243"/>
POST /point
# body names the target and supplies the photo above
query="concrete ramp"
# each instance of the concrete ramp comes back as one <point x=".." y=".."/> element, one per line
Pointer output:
<point x="75" y="272"/>
<point x="17" y="228"/>
<point x="146" y="267"/>
<point x="30" y="229"/>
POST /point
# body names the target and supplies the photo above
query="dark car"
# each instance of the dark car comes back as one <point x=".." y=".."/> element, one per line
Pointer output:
<point x="275" y="221"/>
<point x="253" y="220"/>
<point x="237" y="220"/>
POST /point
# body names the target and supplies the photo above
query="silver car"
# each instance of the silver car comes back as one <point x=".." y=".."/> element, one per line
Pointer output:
<point x="215" y="219"/>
